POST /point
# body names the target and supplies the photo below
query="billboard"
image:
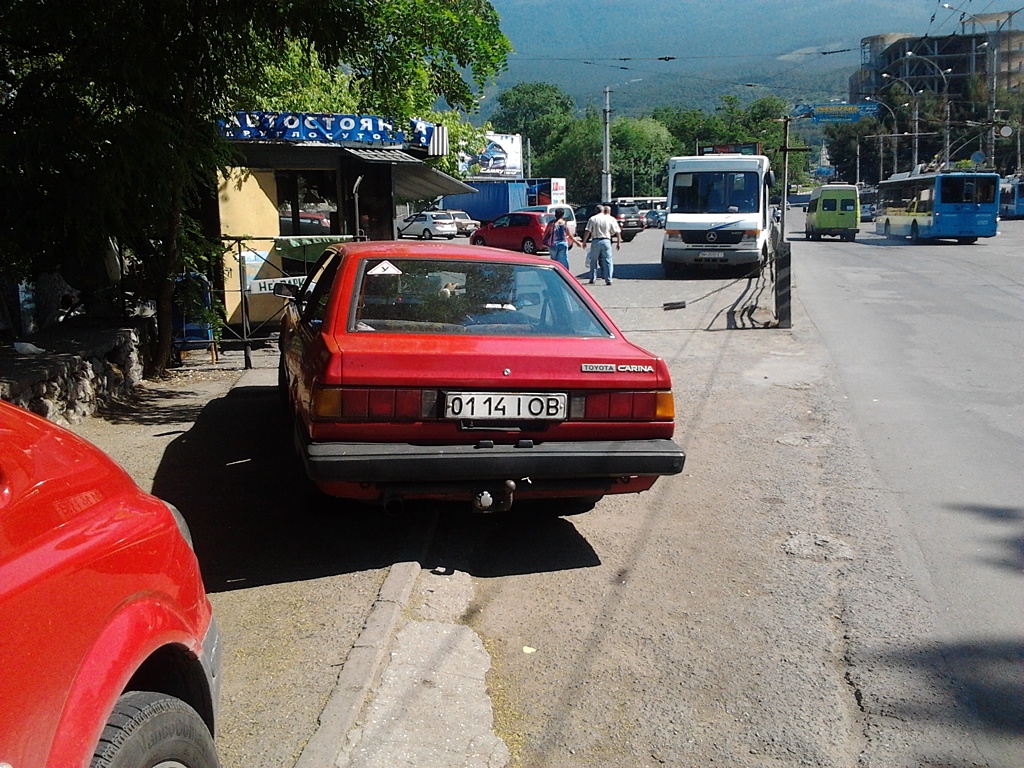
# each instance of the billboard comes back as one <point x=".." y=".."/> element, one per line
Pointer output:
<point x="500" y="157"/>
<point x="837" y="112"/>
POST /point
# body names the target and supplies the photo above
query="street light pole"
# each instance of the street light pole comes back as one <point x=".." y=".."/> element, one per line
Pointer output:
<point x="606" y="169"/>
<point x="945" y="98"/>
<point x="917" y="104"/>
<point x="895" y="133"/>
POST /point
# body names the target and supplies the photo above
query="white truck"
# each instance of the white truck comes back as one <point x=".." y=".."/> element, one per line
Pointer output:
<point x="718" y="212"/>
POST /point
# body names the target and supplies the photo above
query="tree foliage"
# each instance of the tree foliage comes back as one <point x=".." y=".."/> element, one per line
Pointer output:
<point x="109" y="108"/>
<point x="539" y="112"/>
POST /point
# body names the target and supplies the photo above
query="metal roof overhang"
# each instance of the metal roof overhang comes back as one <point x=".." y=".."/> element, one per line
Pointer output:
<point x="414" y="179"/>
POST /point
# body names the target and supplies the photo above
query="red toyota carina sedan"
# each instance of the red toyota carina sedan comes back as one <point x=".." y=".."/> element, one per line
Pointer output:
<point x="452" y="372"/>
<point x="110" y="653"/>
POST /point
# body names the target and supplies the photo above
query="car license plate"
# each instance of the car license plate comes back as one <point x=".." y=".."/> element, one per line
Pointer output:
<point x="505" y="405"/>
<point x="710" y="256"/>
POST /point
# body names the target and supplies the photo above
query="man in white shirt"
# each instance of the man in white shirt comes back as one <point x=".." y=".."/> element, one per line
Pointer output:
<point x="601" y="229"/>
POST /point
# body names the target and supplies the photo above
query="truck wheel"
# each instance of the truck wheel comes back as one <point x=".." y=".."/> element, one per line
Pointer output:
<point x="529" y="246"/>
<point x="149" y="728"/>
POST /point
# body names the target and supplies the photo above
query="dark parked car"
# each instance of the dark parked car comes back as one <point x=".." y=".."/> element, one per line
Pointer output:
<point x="628" y="216"/>
<point x="443" y="371"/>
<point x="655" y="219"/>
<point x="110" y="653"/>
<point x="516" y="231"/>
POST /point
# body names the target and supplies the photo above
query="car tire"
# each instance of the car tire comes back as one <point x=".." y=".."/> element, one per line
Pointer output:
<point x="148" y="728"/>
<point x="529" y="246"/>
<point x="477" y="240"/>
<point x="628" y="238"/>
<point x="427" y="235"/>
<point x="451" y="237"/>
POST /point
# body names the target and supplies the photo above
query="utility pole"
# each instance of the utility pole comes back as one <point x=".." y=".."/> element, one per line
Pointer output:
<point x="606" y="170"/>
<point x="783" y="250"/>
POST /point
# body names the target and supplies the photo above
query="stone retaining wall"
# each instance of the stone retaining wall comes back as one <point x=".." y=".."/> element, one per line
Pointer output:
<point x="83" y="367"/>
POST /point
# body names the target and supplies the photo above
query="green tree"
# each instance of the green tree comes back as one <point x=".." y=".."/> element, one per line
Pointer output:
<point x="578" y="156"/>
<point x="640" y="150"/>
<point x="108" y="108"/>
<point x="538" y="112"/>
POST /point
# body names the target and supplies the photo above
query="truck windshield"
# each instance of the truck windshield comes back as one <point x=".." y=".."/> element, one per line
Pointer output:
<point x="715" y="192"/>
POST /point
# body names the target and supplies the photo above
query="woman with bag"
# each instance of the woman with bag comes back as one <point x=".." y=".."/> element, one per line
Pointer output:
<point x="559" y="239"/>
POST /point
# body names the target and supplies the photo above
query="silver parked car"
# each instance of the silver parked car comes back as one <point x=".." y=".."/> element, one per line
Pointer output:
<point x="427" y="225"/>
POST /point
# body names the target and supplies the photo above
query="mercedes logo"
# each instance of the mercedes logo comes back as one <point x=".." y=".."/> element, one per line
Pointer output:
<point x="712" y="236"/>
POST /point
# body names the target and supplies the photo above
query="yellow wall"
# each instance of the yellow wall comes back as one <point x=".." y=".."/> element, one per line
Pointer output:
<point x="248" y="207"/>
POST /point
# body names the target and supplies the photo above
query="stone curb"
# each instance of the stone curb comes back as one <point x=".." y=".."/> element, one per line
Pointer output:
<point x="366" y="662"/>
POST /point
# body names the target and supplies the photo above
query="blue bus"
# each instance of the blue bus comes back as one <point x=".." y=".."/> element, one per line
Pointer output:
<point x="1011" y="198"/>
<point x="962" y="206"/>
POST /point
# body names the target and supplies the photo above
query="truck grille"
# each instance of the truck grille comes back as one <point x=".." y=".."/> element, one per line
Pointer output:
<point x="719" y="236"/>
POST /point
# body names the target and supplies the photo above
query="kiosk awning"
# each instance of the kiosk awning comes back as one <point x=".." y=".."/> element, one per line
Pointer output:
<point x="414" y="179"/>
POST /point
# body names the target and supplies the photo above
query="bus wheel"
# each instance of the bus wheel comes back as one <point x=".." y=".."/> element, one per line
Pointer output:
<point x="915" y="235"/>
<point x="966" y="240"/>
<point x="888" y="231"/>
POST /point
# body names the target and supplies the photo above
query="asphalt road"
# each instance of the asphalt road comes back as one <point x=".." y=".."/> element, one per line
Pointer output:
<point x="934" y="373"/>
<point x="803" y="594"/>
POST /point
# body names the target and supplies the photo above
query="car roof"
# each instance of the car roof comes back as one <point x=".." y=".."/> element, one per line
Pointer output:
<point x="405" y="249"/>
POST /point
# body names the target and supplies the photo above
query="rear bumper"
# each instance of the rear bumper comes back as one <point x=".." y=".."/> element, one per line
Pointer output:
<point x="405" y="463"/>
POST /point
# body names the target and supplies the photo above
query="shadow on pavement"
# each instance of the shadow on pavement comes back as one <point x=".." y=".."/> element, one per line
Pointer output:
<point x="983" y="679"/>
<point x="256" y="519"/>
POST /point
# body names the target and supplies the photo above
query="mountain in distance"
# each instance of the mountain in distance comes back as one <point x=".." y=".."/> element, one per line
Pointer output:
<point x="799" y="51"/>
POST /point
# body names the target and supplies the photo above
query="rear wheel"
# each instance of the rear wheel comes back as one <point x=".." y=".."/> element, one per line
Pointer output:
<point x="427" y="234"/>
<point x="529" y="245"/>
<point x="888" y="231"/>
<point x="153" y="729"/>
<point x="966" y="240"/>
<point x="915" y="235"/>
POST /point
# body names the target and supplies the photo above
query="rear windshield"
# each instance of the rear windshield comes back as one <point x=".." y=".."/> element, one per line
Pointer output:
<point x="959" y="189"/>
<point x="443" y="296"/>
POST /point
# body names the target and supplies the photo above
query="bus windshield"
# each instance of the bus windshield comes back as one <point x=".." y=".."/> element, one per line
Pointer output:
<point x="715" y="192"/>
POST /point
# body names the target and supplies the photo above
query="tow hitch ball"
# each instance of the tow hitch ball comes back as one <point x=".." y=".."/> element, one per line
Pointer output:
<point x="499" y="501"/>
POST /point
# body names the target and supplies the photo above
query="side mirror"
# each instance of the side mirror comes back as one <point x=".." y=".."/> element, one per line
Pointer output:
<point x="286" y="291"/>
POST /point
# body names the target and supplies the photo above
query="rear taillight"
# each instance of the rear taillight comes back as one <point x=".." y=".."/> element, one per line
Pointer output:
<point x="622" y="406"/>
<point x="372" y="404"/>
